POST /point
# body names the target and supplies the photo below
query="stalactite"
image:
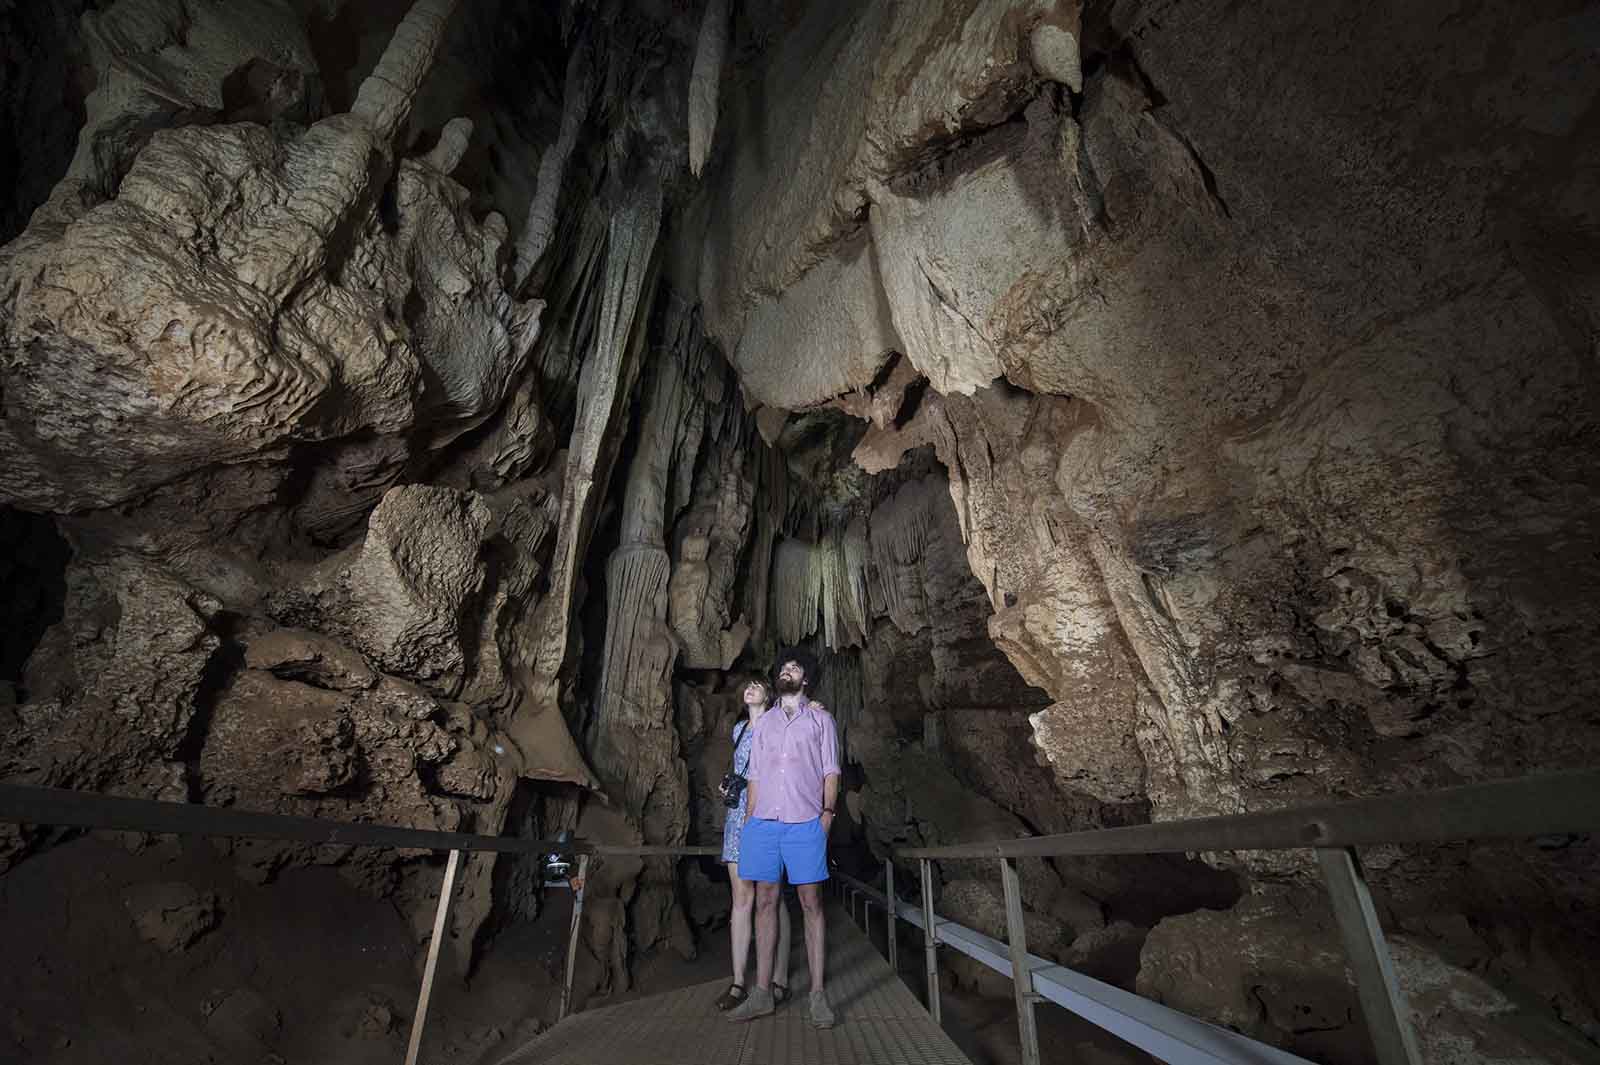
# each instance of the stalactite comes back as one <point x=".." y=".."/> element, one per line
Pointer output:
<point x="841" y="561"/>
<point x="796" y="590"/>
<point x="571" y="313"/>
<point x="900" y="527"/>
<point x="772" y="505"/>
<point x="602" y="393"/>
<point x="839" y="688"/>
<point x="855" y="556"/>
<point x="540" y="225"/>
<point x="705" y="81"/>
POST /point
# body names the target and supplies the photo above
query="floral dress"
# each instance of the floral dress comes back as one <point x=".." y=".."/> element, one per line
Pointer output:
<point x="734" y="825"/>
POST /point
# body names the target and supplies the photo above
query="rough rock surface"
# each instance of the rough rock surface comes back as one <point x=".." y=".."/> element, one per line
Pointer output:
<point x="403" y="596"/>
<point x="1274" y="968"/>
<point x="1268" y="423"/>
<point x="171" y="915"/>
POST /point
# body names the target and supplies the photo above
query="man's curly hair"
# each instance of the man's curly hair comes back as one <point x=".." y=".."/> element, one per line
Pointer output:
<point x="804" y="658"/>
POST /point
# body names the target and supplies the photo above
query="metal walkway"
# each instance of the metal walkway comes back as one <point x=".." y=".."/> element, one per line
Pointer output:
<point x="880" y="1022"/>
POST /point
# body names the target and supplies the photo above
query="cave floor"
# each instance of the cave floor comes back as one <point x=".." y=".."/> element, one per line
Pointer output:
<point x="881" y="1021"/>
<point x="309" y="968"/>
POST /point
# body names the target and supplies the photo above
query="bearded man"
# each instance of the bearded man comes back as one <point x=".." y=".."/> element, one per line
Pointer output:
<point x="793" y="786"/>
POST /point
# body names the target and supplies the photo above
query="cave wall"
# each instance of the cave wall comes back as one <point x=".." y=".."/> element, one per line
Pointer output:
<point x="1259" y="349"/>
<point x="274" y="370"/>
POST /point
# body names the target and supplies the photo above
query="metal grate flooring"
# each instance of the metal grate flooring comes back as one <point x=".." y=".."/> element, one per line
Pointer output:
<point x="880" y="1022"/>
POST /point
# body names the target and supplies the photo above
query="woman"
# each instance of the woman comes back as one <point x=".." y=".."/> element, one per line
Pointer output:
<point x="757" y="698"/>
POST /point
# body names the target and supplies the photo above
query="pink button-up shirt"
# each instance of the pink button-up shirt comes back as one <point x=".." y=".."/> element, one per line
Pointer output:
<point x="789" y="759"/>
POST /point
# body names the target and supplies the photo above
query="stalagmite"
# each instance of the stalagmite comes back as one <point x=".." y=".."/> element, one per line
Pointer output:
<point x="454" y="140"/>
<point x="331" y="169"/>
<point x="705" y="81"/>
<point x="629" y="694"/>
<point x="384" y="99"/>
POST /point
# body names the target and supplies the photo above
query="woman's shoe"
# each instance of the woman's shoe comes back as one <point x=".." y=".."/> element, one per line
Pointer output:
<point x="780" y="994"/>
<point x="731" y="997"/>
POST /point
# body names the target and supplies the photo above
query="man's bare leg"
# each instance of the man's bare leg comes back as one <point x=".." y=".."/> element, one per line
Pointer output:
<point x="766" y="932"/>
<point x="816" y="931"/>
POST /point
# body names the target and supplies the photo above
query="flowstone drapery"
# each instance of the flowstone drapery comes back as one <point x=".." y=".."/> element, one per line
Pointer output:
<point x="603" y="390"/>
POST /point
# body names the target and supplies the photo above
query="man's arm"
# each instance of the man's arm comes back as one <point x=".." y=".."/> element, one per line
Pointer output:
<point x="830" y="769"/>
<point x="749" y="798"/>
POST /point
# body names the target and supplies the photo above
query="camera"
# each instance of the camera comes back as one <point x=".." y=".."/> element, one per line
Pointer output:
<point x="732" y="788"/>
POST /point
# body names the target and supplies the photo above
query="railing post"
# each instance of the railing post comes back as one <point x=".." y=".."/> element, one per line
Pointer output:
<point x="572" y="934"/>
<point x="894" y="916"/>
<point x="441" y="919"/>
<point x="930" y="940"/>
<point x="866" y="917"/>
<point x="1382" y="1001"/>
<point x="1021" y="974"/>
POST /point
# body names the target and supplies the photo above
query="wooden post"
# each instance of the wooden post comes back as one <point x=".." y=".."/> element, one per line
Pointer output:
<point x="1382" y="1001"/>
<point x="894" y="916"/>
<point x="930" y="940"/>
<point x="578" y="887"/>
<point x="1021" y="974"/>
<point x="441" y="919"/>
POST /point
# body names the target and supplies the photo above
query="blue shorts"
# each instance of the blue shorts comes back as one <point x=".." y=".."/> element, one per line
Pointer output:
<point x="769" y="848"/>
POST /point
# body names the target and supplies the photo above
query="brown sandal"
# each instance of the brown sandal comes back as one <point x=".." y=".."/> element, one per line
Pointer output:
<point x="732" y="997"/>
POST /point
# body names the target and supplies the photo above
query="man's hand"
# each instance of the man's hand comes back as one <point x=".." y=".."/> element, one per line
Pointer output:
<point x="827" y="822"/>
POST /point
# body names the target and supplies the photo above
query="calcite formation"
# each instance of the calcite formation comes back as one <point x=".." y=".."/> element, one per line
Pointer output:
<point x="1143" y="409"/>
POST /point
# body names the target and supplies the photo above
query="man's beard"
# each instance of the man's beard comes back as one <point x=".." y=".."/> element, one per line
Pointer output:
<point x="790" y="686"/>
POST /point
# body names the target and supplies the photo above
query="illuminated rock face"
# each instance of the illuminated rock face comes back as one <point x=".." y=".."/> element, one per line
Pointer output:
<point x="1266" y="421"/>
<point x="1150" y="411"/>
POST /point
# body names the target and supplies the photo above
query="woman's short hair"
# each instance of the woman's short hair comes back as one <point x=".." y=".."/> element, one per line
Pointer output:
<point x="756" y="678"/>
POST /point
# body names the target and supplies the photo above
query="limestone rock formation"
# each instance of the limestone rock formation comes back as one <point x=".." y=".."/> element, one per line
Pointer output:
<point x="402" y="596"/>
<point x="1142" y="409"/>
<point x="1275" y="970"/>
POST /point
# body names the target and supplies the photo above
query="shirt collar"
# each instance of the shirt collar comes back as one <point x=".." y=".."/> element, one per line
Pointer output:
<point x="806" y="707"/>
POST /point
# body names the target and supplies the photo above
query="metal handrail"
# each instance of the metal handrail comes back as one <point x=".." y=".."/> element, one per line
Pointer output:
<point x="1561" y="803"/>
<point x="79" y="809"/>
<point x="82" y="809"/>
<point x="1158" y="1030"/>
<point x="1553" y="804"/>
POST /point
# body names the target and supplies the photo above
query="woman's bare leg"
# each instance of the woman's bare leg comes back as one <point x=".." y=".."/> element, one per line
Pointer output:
<point x="744" y="899"/>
